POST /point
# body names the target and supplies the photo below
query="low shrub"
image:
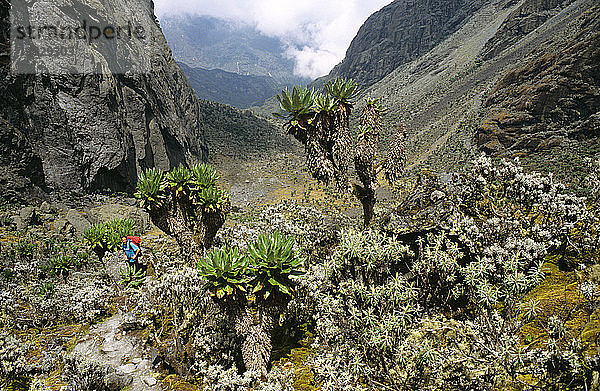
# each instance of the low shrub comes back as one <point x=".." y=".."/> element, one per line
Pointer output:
<point x="106" y="237"/>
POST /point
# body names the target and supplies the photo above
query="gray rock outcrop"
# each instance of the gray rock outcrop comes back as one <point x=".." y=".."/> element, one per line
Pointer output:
<point x="96" y="131"/>
<point x="399" y="33"/>
<point x="107" y="345"/>
<point x="78" y="221"/>
<point x="104" y="213"/>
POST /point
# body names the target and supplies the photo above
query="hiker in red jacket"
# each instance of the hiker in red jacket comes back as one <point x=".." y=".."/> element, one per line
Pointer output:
<point x="131" y="250"/>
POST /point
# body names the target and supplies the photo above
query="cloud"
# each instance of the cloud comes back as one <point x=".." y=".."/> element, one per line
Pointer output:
<point x="317" y="33"/>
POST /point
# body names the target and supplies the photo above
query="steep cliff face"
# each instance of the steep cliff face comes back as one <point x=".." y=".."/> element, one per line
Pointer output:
<point x="530" y="15"/>
<point x="20" y="169"/>
<point x="399" y="33"/>
<point x="97" y="131"/>
<point x="553" y="98"/>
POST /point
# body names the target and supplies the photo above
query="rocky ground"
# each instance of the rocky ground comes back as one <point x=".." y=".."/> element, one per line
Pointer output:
<point x="83" y="328"/>
<point x="126" y="357"/>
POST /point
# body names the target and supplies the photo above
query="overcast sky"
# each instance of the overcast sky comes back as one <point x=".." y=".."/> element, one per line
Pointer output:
<point x="317" y="32"/>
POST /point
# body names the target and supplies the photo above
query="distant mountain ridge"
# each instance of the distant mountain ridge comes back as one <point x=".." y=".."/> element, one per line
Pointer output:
<point x="229" y="62"/>
<point x="241" y="91"/>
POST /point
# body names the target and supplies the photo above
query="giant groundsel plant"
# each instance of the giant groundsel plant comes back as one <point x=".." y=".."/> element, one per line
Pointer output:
<point x="273" y="261"/>
<point x="321" y="122"/>
<point x="225" y="271"/>
<point x="106" y="237"/>
<point x="253" y="289"/>
<point x="185" y="203"/>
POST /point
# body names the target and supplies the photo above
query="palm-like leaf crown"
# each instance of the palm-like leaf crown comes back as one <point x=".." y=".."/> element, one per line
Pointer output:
<point x="343" y="90"/>
<point x="212" y="199"/>
<point x="117" y="229"/>
<point x="375" y="103"/>
<point x="94" y="235"/>
<point x="204" y="176"/>
<point x="198" y="183"/>
<point x="60" y="265"/>
<point x="150" y="189"/>
<point x="324" y="103"/>
<point x="297" y="103"/>
<point x="179" y="180"/>
<point x="273" y="261"/>
<point x="225" y="271"/>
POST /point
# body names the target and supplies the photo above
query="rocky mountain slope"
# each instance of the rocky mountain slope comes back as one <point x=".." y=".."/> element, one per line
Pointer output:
<point x="551" y="99"/>
<point x="401" y="32"/>
<point x="515" y="71"/>
<point x="231" y="88"/>
<point x="89" y="132"/>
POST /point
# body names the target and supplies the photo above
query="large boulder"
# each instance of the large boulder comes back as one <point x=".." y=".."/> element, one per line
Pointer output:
<point x="78" y="221"/>
<point x="108" y="212"/>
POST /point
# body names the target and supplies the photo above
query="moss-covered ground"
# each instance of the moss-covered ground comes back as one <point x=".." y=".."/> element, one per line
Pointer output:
<point x="559" y="296"/>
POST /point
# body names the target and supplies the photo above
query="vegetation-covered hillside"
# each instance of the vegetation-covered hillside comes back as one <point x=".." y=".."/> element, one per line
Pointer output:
<point x="515" y="78"/>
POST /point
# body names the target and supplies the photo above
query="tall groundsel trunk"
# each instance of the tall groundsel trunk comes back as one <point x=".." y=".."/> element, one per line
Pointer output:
<point x="254" y="323"/>
<point x="365" y="158"/>
<point x="343" y="146"/>
<point x="193" y="229"/>
<point x="173" y="221"/>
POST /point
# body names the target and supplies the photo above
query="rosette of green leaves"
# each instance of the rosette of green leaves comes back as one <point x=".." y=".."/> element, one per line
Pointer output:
<point x="179" y="181"/>
<point x="343" y="90"/>
<point x="298" y="105"/>
<point x="60" y="265"/>
<point x="151" y="186"/>
<point x="225" y="271"/>
<point x="46" y="288"/>
<point x="324" y="103"/>
<point x="117" y="229"/>
<point x="376" y="104"/>
<point x="273" y="261"/>
<point x="298" y="102"/>
<point x="94" y="236"/>
<point x="204" y="176"/>
<point x="107" y="236"/>
<point x="132" y="277"/>
<point x="212" y="199"/>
